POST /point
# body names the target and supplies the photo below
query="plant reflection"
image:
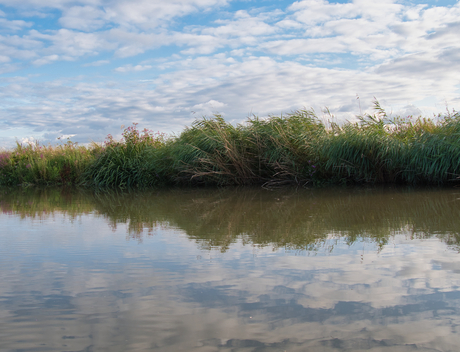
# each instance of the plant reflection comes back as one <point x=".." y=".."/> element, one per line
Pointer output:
<point x="285" y="218"/>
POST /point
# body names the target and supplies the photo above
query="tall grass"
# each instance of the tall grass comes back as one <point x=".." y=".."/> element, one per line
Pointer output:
<point x="383" y="150"/>
<point x="132" y="162"/>
<point x="46" y="165"/>
<point x="276" y="150"/>
<point x="296" y="148"/>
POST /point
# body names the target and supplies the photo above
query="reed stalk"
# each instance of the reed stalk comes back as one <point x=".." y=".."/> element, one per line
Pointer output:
<point x="296" y="148"/>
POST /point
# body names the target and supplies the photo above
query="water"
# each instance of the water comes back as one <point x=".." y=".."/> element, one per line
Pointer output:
<point x="230" y="270"/>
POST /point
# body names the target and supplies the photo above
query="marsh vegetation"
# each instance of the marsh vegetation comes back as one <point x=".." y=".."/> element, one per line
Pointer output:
<point x="297" y="148"/>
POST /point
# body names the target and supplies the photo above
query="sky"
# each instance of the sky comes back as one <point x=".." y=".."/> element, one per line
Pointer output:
<point x="81" y="69"/>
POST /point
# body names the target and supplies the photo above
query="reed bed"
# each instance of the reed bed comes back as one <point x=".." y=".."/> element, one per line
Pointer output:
<point x="45" y="165"/>
<point x="296" y="148"/>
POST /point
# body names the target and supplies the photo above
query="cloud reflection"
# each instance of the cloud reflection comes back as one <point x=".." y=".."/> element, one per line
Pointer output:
<point x="72" y="283"/>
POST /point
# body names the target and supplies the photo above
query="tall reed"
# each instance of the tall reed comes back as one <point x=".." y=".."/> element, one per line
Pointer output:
<point x="382" y="150"/>
<point x="296" y="148"/>
<point x="131" y="162"/>
<point x="276" y="150"/>
<point x="35" y="164"/>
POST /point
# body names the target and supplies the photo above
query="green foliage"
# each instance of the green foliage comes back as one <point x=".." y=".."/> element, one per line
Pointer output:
<point x="273" y="151"/>
<point x="290" y="149"/>
<point x="131" y="162"/>
<point x="380" y="150"/>
<point x="35" y="164"/>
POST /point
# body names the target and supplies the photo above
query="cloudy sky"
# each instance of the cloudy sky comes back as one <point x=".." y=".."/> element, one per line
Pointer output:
<point x="83" y="68"/>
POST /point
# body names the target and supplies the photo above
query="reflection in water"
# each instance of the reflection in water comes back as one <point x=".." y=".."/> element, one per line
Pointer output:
<point x="230" y="270"/>
<point x="287" y="218"/>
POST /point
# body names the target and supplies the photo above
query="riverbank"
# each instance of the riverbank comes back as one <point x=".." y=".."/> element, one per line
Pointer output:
<point x="297" y="148"/>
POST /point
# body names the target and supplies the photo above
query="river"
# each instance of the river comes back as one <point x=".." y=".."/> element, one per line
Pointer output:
<point x="236" y="269"/>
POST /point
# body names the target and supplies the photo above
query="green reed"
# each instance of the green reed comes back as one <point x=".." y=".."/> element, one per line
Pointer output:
<point x="46" y="165"/>
<point x="383" y="150"/>
<point x="135" y="161"/>
<point x="296" y="148"/>
<point x="277" y="150"/>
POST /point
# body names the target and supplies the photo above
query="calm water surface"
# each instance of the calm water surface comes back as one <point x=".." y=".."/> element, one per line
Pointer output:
<point x="230" y="270"/>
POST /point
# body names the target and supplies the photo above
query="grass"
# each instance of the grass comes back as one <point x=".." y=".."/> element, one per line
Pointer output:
<point x="45" y="165"/>
<point x="131" y="162"/>
<point x="296" y="148"/>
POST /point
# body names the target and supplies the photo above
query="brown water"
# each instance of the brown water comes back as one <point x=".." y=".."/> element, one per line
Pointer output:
<point x="230" y="270"/>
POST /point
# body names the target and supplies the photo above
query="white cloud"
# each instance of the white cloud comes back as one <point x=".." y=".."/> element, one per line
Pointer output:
<point x="85" y="18"/>
<point x="28" y="140"/>
<point x="429" y="67"/>
<point x="199" y="44"/>
<point x="208" y="108"/>
<point x="131" y="68"/>
<point x="413" y="13"/>
<point x="58" y="4"/>
<point x="46" y="60"/>
<point x="315" y="53"/>
<point x="303" y="46"/>
<point x="97" y="63"/>
<point x="15" y="47"/>
<point x="312" y="12"/>
<point x="289" y="24"/>
<point x="93" y="14"/>
<point x="242" y="26"/>
<point x="14" y="25"/>
<point x="207" y="85"/>
<point x="72" y="43"/>
<point x="375" y="30"/>
<point x="150" y="14"/>
<point x="130" y="44"/>
<point x="65" y="136"/>
<point x="129" y="25"/>
<point x="7" y="67"/>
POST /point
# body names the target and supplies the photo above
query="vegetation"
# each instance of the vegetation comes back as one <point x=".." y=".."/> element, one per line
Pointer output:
<point x="297" y="148"/>
<point x="35" y="164"/>
<point x="133" y="161"/>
